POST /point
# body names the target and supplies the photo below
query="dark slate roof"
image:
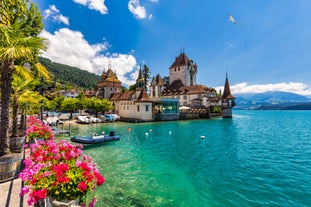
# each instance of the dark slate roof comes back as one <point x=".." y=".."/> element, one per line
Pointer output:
<point x="175" y="85"/>
<point x="227" y="93"/>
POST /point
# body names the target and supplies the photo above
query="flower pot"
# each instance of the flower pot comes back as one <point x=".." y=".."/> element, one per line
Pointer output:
<point x="17" y="144"/>
<point x="63" y="203"/>
<point x="10" y="166"/>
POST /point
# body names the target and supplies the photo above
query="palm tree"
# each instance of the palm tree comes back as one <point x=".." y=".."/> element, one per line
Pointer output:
<point x="23" y="78"/>
<point x="18" y="42"/>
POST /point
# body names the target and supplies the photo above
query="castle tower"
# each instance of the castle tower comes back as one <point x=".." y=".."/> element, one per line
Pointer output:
<point x="183" y="69"/>
<point x="227" y="100"/>
<point x="157" y="86"/>
<point x="108" y="84"/>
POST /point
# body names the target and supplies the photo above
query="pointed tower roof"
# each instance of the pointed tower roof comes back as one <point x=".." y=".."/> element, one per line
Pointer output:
<point x="157" y="81"/>
<point x="140" y="75"/>
<point x="227" y="93"/>
<point x="143" y="96"/>
<point x="110" y="76"/>
<point x="140" y="82"/>
<point x="181" y="60"/>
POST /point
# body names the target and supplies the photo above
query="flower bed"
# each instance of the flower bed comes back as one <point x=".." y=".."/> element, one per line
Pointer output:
<point x="37" y="129"/>
<point x="61" y="171"/>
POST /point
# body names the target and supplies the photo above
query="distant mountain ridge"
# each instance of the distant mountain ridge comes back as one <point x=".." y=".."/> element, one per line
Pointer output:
<point x="72" y="76"/>
<point x="274" y="100"/>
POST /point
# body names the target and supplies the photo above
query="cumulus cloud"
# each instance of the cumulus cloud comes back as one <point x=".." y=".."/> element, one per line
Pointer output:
<point x="98" y="5"/>
<point x="70" y="48"/>
<point x="136" y="9"/>
<point x="54" y="13"/>
<point x="293" y="87"/>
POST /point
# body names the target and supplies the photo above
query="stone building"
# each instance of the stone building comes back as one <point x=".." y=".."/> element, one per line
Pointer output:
<point x="183" y="85"/>
<point x="183" y="69"/>
<point x="108" y="84"/>
<point x="135" y="105"/>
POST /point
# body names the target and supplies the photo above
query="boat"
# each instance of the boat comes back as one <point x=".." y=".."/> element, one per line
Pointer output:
<point x="96" y="139"/>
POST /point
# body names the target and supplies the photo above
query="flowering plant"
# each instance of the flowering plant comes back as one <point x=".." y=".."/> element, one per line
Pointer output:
<point x="37" y="129"/>
<point x="61" y="171"/>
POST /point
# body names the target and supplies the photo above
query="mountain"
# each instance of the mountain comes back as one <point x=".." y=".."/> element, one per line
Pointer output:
<point x="274" y="100"/>
<point x="71" y="76"/>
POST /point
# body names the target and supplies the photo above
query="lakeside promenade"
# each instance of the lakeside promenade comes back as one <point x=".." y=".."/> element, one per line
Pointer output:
<point x="9" y="191"/>
<point x="9" y="194"/>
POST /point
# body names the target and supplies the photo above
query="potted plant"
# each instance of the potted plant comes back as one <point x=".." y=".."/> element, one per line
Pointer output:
<point x="59" y="171"/>
<point x="38" y="130"/>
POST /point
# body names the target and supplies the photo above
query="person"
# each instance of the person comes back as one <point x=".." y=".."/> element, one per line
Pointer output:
<point x="103" y="132"/>
<point x="129" y="129"/>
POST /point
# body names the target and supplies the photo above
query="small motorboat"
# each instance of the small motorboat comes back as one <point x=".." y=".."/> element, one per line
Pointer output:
<point x="95" y="139"/>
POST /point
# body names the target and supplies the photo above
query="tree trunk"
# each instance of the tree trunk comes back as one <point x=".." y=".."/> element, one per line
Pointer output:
<point x="6" y="85"/>
<point x="15" y="118"/>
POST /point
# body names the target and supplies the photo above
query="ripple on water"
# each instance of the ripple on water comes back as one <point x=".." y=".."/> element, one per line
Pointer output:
<point x="258" y="158"/>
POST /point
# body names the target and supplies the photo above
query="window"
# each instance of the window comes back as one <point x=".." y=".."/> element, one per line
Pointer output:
<point x="110" y="89"/>
<point x="185" y="97"/>
<point x="137" y="107"/>
<point x="147" y="107"/>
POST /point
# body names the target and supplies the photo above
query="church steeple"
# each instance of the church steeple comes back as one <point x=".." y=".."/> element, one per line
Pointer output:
<point x="227" y="91"/>
<point x="227" y="100"/>
<point x="140" y="80"/>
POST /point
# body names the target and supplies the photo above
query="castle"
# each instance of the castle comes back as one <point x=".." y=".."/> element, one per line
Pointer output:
<point x="178" y="97"/>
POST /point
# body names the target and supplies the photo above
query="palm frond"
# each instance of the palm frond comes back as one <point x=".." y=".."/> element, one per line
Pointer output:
<point x="42" y="71"/>
<point x="23" y="72"/>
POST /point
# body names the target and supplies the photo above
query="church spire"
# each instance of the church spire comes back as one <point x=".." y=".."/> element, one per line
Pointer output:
<point x="140" y="80"/>
<point x="227" y="91"/>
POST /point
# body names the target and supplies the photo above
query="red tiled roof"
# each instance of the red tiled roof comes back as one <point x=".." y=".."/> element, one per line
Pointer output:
<point x="157" y="81"/>
<point x="126" y="95"/>
<point x="181" y="60"/>
<point x="115" y="96"/>
<point x="187" y="90"/>
<point x="143" y="96"/>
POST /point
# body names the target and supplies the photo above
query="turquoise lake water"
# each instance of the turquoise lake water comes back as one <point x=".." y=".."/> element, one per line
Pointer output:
<point x="258" y="158"/>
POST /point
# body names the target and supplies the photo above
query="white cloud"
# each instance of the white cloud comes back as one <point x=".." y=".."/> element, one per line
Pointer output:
<point x="98" y="5"/>
<point x="70" y="48"/>
<point x="136" y="9"/>
<point x="54" y="13"/>
<point x="155" y="1"/>
<point x="293" y="87"/>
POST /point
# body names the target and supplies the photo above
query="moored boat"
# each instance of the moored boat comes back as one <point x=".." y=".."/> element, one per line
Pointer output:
<point x="95" y="139"/>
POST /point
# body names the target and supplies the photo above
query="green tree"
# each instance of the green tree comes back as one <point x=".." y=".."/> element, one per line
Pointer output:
<point x="98" y="105"/>
<point x="20" y="24"/>
<point x="56" y="103"/>
<point x="146" y="75"/>
<point x="71" y="105"/>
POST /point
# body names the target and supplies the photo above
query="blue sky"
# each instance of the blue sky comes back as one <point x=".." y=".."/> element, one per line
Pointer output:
<point x="265" y="45"/>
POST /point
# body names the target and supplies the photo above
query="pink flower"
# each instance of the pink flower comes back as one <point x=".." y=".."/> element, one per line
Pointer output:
<point x="59" y="169"/>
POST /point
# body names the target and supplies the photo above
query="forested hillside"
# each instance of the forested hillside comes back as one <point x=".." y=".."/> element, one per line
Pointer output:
<point x="72" y="76"/>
